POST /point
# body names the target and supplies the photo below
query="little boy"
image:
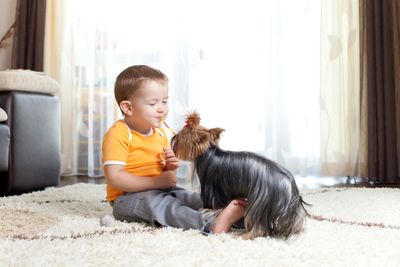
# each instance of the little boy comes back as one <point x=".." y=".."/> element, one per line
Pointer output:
<point x="140" y="168"/>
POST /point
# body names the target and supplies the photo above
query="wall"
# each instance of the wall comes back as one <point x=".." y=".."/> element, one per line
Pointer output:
<point x="7" y="17"/>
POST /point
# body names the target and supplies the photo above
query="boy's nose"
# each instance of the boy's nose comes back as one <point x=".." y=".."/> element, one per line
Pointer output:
<point x="160" y="109"/>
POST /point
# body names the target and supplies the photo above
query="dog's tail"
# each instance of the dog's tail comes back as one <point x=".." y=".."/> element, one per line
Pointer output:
<point x="275" y="207"/>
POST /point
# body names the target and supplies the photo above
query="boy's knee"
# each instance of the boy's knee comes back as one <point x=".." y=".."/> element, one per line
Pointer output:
<point x="132" y="207"/>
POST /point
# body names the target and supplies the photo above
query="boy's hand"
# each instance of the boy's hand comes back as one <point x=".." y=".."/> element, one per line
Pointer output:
<point x="167" y="179"/>
<point x="171" y="163"/>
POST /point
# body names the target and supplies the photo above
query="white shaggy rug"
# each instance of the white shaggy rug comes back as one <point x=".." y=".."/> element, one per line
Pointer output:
<point x="60" y="227"/>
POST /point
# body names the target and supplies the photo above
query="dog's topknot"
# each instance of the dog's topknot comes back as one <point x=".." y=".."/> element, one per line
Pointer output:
<point x="193" y="120"/>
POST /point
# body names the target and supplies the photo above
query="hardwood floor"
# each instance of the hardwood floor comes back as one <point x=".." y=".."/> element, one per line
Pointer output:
<point x="69" y="180"/>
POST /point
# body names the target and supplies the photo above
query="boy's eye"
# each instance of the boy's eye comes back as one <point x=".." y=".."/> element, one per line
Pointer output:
<point x="152" y="104"/>
<point x="165" y="102"/>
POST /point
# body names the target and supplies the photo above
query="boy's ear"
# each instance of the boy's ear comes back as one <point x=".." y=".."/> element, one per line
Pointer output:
<point x="126" y="107"/>
<point x="215" y="134"/>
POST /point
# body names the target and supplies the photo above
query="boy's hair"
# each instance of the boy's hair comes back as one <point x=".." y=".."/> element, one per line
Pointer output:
<point x="132" y="78"/>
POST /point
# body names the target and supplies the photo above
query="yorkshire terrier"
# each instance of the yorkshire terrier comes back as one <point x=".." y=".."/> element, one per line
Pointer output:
<point x="274" y="206"/>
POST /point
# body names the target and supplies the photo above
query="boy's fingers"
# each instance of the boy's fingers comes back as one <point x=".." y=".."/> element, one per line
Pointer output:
<point x="176" y="164"/>
<point x="169" y="155"/>
<point x="168" y="150"/>
<point x="172" y="159"/>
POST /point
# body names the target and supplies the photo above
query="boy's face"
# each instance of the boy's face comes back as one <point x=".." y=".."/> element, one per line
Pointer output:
<point x="148" y="106"/>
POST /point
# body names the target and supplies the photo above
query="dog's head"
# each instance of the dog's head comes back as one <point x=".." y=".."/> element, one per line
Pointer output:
<point x="193" y="140"/>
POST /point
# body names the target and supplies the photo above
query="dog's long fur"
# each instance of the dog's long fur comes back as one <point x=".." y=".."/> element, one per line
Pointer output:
<point x="274" y="205"/>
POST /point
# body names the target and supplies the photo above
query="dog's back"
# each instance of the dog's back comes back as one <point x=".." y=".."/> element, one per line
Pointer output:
<point x="274" y="206"/>
<point x="233" y="173"/>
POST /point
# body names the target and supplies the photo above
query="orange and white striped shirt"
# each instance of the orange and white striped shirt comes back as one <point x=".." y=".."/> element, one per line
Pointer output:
<point x="142" y="155"/>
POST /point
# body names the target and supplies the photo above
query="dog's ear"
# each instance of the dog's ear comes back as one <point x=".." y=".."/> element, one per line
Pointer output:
<point x="215" y="134"/>
<point x="201" y="142"/>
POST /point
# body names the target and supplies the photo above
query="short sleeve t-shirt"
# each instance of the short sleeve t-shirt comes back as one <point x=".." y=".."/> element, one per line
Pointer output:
<point x="142" y="155"/>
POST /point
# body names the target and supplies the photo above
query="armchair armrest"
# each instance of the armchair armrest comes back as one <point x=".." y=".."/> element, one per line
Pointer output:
<point x="34" y="149"/>
<point x="4" y="146"/>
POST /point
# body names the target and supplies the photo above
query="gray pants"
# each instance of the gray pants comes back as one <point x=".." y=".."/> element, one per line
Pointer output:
<point x="175" y="207"/>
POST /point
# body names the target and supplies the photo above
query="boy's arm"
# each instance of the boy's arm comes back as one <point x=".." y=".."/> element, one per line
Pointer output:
<point x="127" y="182"/>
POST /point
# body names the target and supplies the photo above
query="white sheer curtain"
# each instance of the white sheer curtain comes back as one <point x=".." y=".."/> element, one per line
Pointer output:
<point x="258" y="77"/>
<point x="251" y="67"/>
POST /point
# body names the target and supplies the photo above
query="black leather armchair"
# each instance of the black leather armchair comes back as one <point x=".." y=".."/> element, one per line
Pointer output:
<point x="30" y="153"/>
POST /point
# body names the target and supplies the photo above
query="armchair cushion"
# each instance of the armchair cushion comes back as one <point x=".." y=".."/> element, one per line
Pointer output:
<point x="28" y="81"/>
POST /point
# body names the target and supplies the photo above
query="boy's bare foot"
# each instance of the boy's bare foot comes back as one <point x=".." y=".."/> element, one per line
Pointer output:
<point x="229" y="215"/>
